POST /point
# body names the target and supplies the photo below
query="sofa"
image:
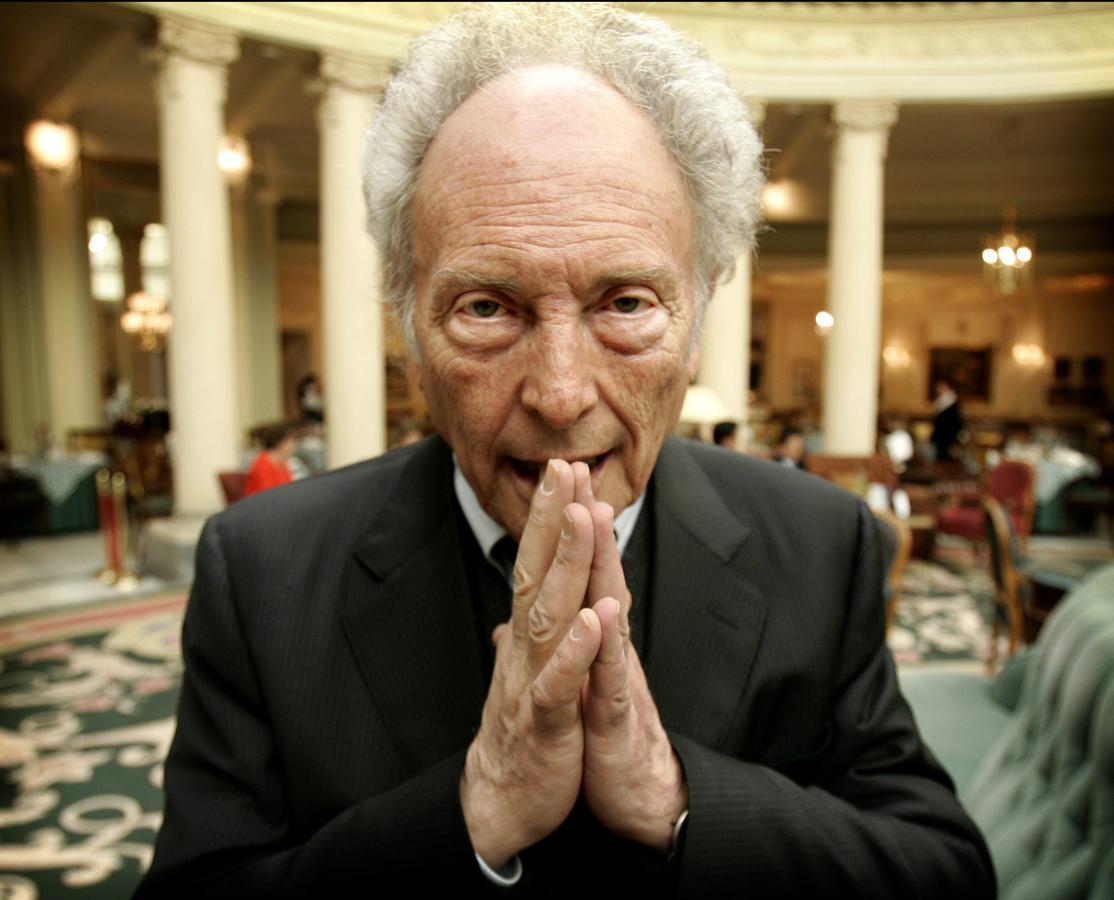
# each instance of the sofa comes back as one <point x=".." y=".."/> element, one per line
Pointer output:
<point x="1032" y="750"/>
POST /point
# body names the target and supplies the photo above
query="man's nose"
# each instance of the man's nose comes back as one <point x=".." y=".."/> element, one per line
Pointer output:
<point x="560" y="379"/>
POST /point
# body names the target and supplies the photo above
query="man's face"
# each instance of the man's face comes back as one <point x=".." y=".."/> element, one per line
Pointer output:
<point x="552" y="245"/>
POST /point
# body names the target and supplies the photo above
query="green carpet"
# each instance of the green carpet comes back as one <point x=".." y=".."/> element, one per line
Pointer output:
<point x="87" y="700"/>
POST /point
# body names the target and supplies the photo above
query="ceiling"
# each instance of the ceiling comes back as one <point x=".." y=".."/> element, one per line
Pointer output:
<point x="951" y="169"/>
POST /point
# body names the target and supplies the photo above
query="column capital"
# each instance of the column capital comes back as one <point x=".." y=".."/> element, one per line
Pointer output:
<point x="865" y="115"/>
<point x="363" y="74"/>
<point x="207" y="44"/>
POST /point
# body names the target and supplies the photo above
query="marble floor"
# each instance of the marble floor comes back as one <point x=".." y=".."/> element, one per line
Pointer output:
<point x="46" y="573"/>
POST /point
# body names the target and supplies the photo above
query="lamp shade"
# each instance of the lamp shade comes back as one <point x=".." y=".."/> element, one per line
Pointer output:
<point x="703" y="406"/>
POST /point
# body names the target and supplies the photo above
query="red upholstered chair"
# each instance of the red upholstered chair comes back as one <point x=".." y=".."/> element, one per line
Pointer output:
<point x="1011" y="484"/>
<point x="233" y="484"/>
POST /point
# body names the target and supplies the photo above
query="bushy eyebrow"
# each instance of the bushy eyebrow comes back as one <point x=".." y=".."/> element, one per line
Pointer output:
<point x="451" y="280"/>
<point x="657" y="276"/>
<point x="447" y="282"/>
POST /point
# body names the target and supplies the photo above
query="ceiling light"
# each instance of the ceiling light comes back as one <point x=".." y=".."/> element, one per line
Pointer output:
<point x="1006" y="255"/>
<point x="52" y="145"/>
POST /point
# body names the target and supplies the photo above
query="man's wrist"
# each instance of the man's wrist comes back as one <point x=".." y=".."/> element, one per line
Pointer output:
<point x="506" y="875"/>
<point x="678" y="836"/>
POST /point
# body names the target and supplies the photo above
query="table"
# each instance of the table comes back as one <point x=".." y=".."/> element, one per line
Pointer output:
<point x="1051" y="579"/>
<point x="1055" y="469"/>
<point x="70" y="487"/>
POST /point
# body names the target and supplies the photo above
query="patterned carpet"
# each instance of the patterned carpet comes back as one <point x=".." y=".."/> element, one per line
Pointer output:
<point x="944" y="613"/>
<point x="87" y="701"/>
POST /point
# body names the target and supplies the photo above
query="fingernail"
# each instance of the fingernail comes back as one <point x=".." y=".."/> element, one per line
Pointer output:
<point x="579" y="628"/>
<point x="618" y="608"/>
<point x="566" y="529"/>
<point x="550" y="480"/>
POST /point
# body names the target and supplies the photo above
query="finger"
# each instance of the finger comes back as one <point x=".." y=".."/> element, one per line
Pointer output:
<point x="607" y="578"/>
<point x="639" y="689"/>
<point x="562" y="591"/>
<point x="608" y="705"/>
<point x="556" y="689"/>
<point x="539" y="541"/>
<point x="498" y="634"/>
<point x="582" y="481"/>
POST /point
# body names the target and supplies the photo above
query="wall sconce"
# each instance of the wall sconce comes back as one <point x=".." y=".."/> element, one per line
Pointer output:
<point x="896" y="357"/>
<point x="1028" y="356"/>
<point x="52" y="145"/>
<point x="824" y="322"/>
<point x="234" y="158"/>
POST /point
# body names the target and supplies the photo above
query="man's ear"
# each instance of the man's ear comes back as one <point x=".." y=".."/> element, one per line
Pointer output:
<point x="694" y="362"/>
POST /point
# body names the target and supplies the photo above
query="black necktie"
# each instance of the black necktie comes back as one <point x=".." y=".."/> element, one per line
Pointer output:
<point x="503" y="555"/>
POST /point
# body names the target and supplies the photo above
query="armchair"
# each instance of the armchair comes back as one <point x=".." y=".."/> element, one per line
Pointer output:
<point x="233" y="485"/>
<point x="960" y="512"/>
<point x="897" y="543"/>
<point x="1013" y="594"/>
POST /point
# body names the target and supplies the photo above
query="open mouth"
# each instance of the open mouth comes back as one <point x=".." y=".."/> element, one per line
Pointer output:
<point x="531" y="470"/>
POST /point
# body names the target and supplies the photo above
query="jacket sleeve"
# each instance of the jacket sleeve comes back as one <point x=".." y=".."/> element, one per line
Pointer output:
<point x="870" y="815"/>
<point x="225" y="831"/>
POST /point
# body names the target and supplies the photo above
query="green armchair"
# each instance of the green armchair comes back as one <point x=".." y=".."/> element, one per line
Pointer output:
<point x="1032" y="751"/>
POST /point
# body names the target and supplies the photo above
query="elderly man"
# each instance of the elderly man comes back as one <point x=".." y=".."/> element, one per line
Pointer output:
<point x="687" y="691"/>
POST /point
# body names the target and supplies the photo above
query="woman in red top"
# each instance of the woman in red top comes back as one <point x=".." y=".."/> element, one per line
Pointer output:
<point x="269" y="469"/>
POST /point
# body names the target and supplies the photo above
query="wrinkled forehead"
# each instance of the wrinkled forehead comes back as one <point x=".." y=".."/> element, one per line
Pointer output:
<point x="555" y="124"/>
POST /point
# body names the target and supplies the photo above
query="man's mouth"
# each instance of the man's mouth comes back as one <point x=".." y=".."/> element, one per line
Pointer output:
<point x="531" y="470"/>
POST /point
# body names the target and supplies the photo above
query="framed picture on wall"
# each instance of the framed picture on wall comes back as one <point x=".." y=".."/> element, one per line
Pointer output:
<point x="805" y="381"/>
<point x="966" y="369"/>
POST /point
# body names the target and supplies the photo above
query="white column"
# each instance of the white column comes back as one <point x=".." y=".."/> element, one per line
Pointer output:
<point x="725" y="343"/>
<point x="254" y="248"/>
<point x="239" y="231"/>
<point x="24" y="397"/>
<point x="67" y="307"/>
<point x="203" y="389"/>
<point x="352" y="314"/>
<point x="855" y="276"/>
<point x="264" y="338"/>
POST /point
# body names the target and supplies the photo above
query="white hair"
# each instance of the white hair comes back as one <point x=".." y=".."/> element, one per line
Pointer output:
<point x="700" y="117"/>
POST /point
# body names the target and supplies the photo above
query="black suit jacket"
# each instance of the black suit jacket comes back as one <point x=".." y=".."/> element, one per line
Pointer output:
<point x="334" y="681"/>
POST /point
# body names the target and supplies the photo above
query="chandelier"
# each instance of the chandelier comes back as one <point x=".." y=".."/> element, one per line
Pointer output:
<point x="1007" y="255"/>
<point x="147" y="319"/>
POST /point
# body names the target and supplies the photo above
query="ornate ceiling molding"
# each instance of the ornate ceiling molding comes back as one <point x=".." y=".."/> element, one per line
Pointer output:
<point x="781" y="52"/>
<point x="913" y="52"/>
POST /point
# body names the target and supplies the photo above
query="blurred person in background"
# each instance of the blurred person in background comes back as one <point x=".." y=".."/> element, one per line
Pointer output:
<point x="947" y="422"/>
<point x="790" y="448"/>
<point x="311" y="403"/>
<point x="271" y="465"/>
<point x="725" y="434"/>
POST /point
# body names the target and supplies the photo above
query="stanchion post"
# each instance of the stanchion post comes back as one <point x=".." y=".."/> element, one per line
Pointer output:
<point x="106" y="518"/>
<point x="124" y="578"/>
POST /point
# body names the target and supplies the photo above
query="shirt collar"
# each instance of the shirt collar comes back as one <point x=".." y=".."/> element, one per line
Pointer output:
<point x="487" y="531"/>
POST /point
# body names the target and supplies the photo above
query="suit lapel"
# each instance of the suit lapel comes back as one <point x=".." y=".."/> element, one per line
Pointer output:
<point x="707" y="617"/>
<point x="408" y="615"/>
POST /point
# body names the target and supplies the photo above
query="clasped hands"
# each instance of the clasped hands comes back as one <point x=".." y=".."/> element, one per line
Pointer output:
<point x="568" y="709"/>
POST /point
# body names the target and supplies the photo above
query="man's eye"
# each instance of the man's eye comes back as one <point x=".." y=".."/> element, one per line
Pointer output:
<point x="627" y="304"/>
<point x="483" y="309"/>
